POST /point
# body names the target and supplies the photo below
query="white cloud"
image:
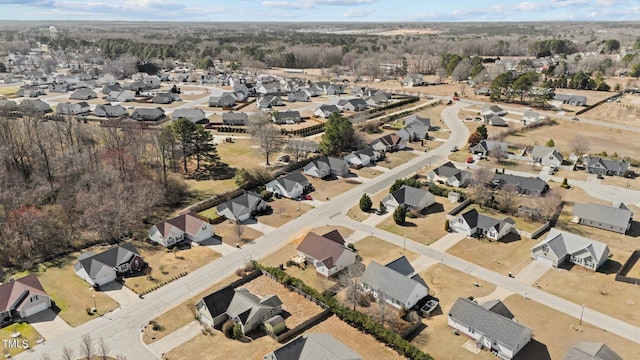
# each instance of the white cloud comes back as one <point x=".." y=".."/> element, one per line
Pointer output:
<point x="357" y="13"/>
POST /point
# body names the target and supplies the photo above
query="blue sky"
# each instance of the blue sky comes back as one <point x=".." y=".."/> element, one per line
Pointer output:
<point x="321" y="10"/>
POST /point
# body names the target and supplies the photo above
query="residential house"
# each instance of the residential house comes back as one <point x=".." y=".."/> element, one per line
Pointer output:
<point x="335" y="89"/>
<point x="533" y="186"/>
<point x="591" y="351"/>
<point x="30" y="92"/>
<point x="22" y="298"/>
<point x="327" y="253"/>
<point x="410" y="198"/>
<point x="488" y="325"/>
<point x="472" y="223"/>
<point x="292" y="185"/>
<point x="448" y="174"/>
<point x="240" y="305"/>
<point x="8" y="105"/>
<point x="108" y="79"/>
<point x="530" y="117"/>
<point x="299" y="95"/>
<point x="412" y="80"/>
<point x="110" y="111"/>
<point x="83" y="94"/>
<point x="617" y="218"/>
<point x="491" y="110"/>
<point x="268" y="88"/>
<point x="135" y="86"/>
<point x="34" y="106"/>
<point x="324" y="111"/>
<point x="165" y="98"/>
<point x="242" y="207"/>
<point x="603" y="166"/>
<point x="376" y="100"/>
<point x="313" y="90"/>
<point x="397" y="285"/>
<point x="72" y="108"/>
<point x="234" y="119"/>
<point x="388" y="143"/>
<point x="59" y="87"/>
<point x="313" y="346"/>
<point x="183" y="227"/>
<point x="107" y="89"/>
<point x="269" y="101"/>
<point x="148" y="114"/>
<point x="327" y="166"/>
<point x="363" y="157"/>
<point x="105" y="267"/>
<point x="416" y="128"/>
<point x="120" y="96"/>
<point x="226" y="100"/>
<point x="485" y="146"/>
<point x="495" y="120"/>
<point x="286" y="117"/>
<point x="546" y="156"/>
<point x="570" y="99"/>
<point x="354" y="105"/>
<point x="196" y="116"/>
<point x="560" y="247"/>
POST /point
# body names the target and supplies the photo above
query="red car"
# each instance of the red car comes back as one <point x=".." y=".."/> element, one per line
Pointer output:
<point x="307" y="197"/>
<point x="455" y="98"/>
<point x="470" y="160"/>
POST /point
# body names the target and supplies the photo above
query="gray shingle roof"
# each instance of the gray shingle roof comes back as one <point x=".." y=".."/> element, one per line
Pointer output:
<point x="389" y="282"/>
<point x="475" y="219"/>
<point x="495" y="326"/>
<point x="562" y="243"/>
<point x="522" y="182"/>
<point x="591" y="351"/>
<point x="616" y="216"/>
<point x="401" y="265"/>
<point x="409" y="195"/>
<point x="314" y="346"/>
<point x="94" y="263"/>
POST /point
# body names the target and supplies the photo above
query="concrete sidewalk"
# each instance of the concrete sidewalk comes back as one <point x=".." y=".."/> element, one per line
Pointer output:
<point x="532" y="272"/>
<point x="176" y="338"/>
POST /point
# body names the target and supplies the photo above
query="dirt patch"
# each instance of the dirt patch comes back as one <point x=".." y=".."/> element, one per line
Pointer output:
<point x="366" y="172"/>
<point x="217" y="346"/>
<point x="372" y="248"/>
<point x="165" y="264"/>
<point x="553" y="334"/>
<point x="330" y="187"/>
<point x="227" y="231"/>
<point x="497" y="256"/>
<point x="284" y="210"/>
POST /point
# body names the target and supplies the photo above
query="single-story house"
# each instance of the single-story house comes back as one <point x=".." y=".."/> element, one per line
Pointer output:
<point x="34" y="106"/>
<point x="292" y="185"/>
<point x="485" y="146"/>
<point x="546" y="156"/>
<point x="239" y="305"/>
<point x="72" y="108"/>
<point x="269" y="101"/>
<point x="298" y="96"/>
<point x="83" y="94"/>
<point x="313" y="346"/>
<point x="570" y="99"/>
<point x="415" y="128"/>
<point x="324" y="111"/>
<point x="327" y="253"/>
<point x="196" y="116"/>
<point x="490" y="324"/>
<point x="352" y="104"/>
<point x="530" y="116"/>
<point x="164" y="98"/>
<point x="561" y="246"/>
<point x="30" y="92"/>
<point x="491" y="110"/>
<point x="388" y="143"/>
<point x="362" y="157"/>
<point x="412" y="80"/>
<point x="111" y="87"/>
<point x="472" y="223"/>
<point x="327" y="166"/>
<point x="147" y="114"/>
<point x="268" y="88"/>
<point x="242" y="207"/>
<point x="120" y="96"/>
<point x="425" y="122"/>
<point x="617" y="218"/>
<point x="8" y="105"/>
<point x="397" y="285"/>
<point x="235" y="119"/>
<point x="22" y="298"/>
<point x="448" y="174"/>
<point x="603" y="166"/>
<point x="226" y="100"/>
<point x="533" y="186"/>
<point x="410" y="198"/>
<point x="183" y="227"/>
<point x="495" y="120"/>
<point x="105" y="267"/>
<point x="591" y="351"/>
<point x="59" y="87"/>
<point x="286" y="117"/>
<point x="108" y="110"/>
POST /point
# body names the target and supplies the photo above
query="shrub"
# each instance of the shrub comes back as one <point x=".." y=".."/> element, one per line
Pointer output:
<point x="227" y="328"/>
<point x="565" y="183"/>
<point x="365" y="203"/>
<point x="237" y="331"/>
<point x="351" y="246"/>
<point x="403" y="313"/>
<point x="399" y="215"/>
<point x="446" y="225"/>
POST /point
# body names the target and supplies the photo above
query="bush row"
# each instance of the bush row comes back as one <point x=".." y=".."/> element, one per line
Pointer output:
<point x="352" y="317"/>
<point x="231" y="129"/>
<point x="157" y="286"/>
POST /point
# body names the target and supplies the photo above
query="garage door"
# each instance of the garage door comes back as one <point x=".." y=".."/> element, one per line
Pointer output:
<point x="36" y="309"/>
<point x="543" y="260"/>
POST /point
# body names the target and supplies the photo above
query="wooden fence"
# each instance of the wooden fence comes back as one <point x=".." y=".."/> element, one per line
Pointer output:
<point x="621" y="275"/>
<point x="451" y="214"/>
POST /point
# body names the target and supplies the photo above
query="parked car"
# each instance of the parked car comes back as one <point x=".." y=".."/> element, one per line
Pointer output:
<point x="552" y="170"/>
<point x="455" y="98"/>
<point x="470" y="160"/>
<point x="307" y="197"/>
<point x="575" y="118"/>
<point x="454" y="148"/>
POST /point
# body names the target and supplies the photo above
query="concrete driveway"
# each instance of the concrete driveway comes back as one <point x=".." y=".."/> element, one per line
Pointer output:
<point x="120" y="293"/>
<point x="256" y="225"/>
<point x="49" y="324"/>
<point x="532" y="272"/>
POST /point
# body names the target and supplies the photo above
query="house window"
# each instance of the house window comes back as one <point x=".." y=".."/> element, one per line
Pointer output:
<point x="460" y="221"/>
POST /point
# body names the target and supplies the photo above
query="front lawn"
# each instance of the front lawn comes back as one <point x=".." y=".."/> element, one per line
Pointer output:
<point x="395" y="159"/>
<point x="372" y="248"/>
<point x="27" y="332"/>
<point x="228" y="232"/>
<point x="284" y="210"/>
<point x="501" y="257"/>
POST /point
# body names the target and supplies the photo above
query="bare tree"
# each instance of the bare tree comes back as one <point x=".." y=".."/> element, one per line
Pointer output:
<point x="299" y="148"/>
<point x="548" y="204"/>
<point x="267" y="135"/>
<point x="86" y="346"/>
<point x="498" y="153"/>
<point x="238" y="228"/>
<point x="67" y="353"/>
<point x="103" y="349"/>
<point x="350" y="278"/>
<point x="579" y="145"/>
<point x="480" y="180"/>
<point x="507" y="198"/>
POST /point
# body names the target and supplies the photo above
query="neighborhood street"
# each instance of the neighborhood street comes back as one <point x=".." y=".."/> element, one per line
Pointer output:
<point x="121" y="329"/>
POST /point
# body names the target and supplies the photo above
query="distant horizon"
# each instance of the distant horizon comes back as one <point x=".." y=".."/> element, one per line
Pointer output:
<point x="322" y="11"/>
